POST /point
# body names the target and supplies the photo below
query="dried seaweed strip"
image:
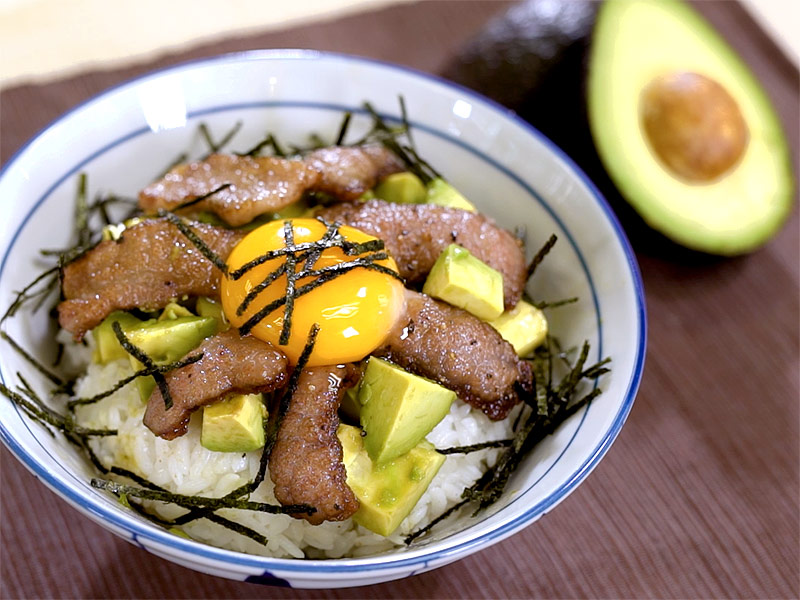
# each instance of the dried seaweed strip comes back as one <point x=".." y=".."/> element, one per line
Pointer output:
<point x="199" y="199"/>
<point x="23" y="295"/>
<point x="195" y="240"/>
<point x="539" y="256"/>
<point x="148" y="362"/>
<point x="147" y="371"/>
<point x="475" y="447"/>
<point x="31" y="360"/>
<point x="198" y="501"/>
<point x="291" y="283"/>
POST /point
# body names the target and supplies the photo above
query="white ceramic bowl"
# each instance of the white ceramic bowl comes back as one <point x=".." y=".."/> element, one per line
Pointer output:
<point x="125" y="137"/>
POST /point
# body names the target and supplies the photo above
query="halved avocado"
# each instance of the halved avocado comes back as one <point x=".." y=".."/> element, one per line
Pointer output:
<point x="684" y="129"/>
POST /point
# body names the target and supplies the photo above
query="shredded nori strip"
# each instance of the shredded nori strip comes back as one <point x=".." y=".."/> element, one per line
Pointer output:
<point x="147" y="371"/>
<point x="143" y="358"/>
<point x="199" y="501"/>
<point x="343" y="128"/>
<point x="474" y="447"/>
<point x="48" y="416"/>
<point x="199" y="199"/>
<point x="36" y="364"/>
<point x="291" y="282"/>
<point x="555" y="303"/>
<point x="213" y="146"/>
<point x="195" y="239"/>
<point x="24" y="294"/>
<point x="548" y="245"/>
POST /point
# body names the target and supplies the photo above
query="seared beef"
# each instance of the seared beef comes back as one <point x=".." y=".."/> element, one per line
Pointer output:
<point x="267" y="184"/>
<point x="348" y="172"/>
<point x="306" y="461"/>
<point x="257" y="186"/>
<point x="231" y="364"/>
<point x="461" y="352"/>
<point x="415" y="235"/>
<point x="152" y="263"/>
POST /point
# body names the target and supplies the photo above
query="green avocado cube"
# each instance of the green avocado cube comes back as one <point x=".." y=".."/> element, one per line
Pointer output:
<point x="402" y="188"/>
<point x="206" y="307"/>
<point x="398" y="409"/>
<point x="106" y="345"/>
<point x="524" y="327"/>
<point x="166" y="342"/>
<point x="388" y="492"/>
<point x="442" y="193"/>
<point x="235" y="424"/>
<point x="173" y="310"/>
<point x="460" y="279"/>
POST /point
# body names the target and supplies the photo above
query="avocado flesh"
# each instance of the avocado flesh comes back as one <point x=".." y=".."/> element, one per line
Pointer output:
<point x="166" y="342"/>
<point x="398" y="409"/>
<point x="461" y="279"/>
<point x="524" y="327"/>
<point x="387" y="493"/>
<point x="401" y="188"/>
<point x="235" y="424"/>
<point x="636" y="42"/>
<point x="442" y="193"/>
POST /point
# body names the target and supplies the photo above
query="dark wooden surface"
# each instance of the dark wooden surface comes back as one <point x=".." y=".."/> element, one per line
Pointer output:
<point x="697" y="498"/>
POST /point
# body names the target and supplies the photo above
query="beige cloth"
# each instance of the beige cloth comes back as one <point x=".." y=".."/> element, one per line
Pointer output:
<point x="42" y="39"/>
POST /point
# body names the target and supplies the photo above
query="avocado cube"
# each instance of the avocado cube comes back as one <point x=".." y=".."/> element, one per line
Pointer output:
<point x="235" y="424"/>
<point x="524" y="327"/>
<point x="366" y="196"/>
<point x="173" y="310"/>
<point x="402" y="188"/>
<point x="444" y="194"/>
<point x="165" y="342"/>
<point x="206" y="307"/>
<point x="398" y="409"/>
<point x="387" y="492"/>
<point x="460" y="279"/>
<point x="106" y="345"/>
<point x="170" y="340"/>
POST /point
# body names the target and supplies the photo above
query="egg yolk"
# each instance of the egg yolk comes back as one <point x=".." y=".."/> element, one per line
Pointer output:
<point x="355" y="310"/>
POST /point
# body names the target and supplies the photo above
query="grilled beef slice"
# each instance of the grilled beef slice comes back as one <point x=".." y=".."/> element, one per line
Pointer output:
<point x="257" y="186"/>
<point x="415" y="235"/>
<point x="461" y="352"/>
<point x="306" y="462"/>
<point x="231" y="364"/>
<point x="347" y="172"/>
<point x="152" y="263"/>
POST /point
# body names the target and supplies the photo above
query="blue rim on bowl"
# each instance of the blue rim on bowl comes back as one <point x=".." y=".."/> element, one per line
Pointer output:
<point x="413" y="559"/>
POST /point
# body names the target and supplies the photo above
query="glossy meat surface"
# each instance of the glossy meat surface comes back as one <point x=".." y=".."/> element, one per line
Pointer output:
<point x="231" y="364"/>
<point x="415" y="235"/>
<point x="347" y="172"/>
<point x="257" y="186"/>
<point x="306" y="461"/>
<point x="461" y="352"/>
<point x="152" y="263"/>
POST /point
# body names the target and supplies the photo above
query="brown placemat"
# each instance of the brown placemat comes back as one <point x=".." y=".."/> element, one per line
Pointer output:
<point x="697" y="498"/>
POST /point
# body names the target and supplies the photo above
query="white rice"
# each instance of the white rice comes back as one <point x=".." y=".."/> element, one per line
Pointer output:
<point x="183" y="466"/>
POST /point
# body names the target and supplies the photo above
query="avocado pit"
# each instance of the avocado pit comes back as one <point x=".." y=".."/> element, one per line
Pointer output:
<point x="693" y="125"/>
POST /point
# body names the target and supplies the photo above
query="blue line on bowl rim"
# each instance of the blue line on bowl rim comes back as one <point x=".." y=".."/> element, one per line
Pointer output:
<point x="532" y="513"/>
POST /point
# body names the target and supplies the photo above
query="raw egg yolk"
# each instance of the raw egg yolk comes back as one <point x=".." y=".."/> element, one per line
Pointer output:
<point x="355" y="310"/>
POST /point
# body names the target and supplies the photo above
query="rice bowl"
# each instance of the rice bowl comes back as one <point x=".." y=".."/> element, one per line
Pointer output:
<point x="541" y="485"/>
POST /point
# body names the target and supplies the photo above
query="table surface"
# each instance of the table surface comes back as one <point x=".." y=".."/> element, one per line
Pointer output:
<point x="698" y="496"/>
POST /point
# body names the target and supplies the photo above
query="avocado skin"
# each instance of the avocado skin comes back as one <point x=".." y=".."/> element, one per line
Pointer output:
<point x="511" y="59"/>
